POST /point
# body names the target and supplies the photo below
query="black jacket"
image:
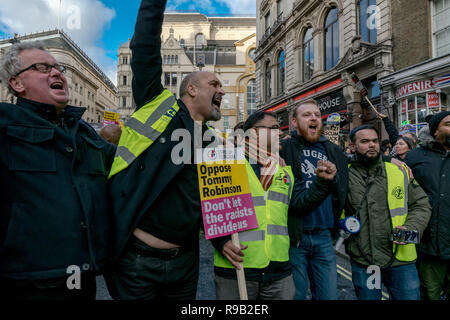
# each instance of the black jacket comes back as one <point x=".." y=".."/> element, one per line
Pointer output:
<point x="138" y="187"/>
<point x="54" y="210"/>
<point x="430" y="164"/>
<point x="306" y="200"/>
<point x="391" y="131"/>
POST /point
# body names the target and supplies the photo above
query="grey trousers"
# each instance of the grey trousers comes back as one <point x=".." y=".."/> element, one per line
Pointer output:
<point x="283" y="289"/>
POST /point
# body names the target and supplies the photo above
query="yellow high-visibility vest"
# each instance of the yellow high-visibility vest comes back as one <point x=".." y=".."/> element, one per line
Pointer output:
<point x="143" y="128"/>
<point x="397" y="197"/>
<point x="270" y="241"/>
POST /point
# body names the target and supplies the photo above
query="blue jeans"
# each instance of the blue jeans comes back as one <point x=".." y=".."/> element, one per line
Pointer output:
<point x="402" y="282"/>
<point x="315" y="260"/>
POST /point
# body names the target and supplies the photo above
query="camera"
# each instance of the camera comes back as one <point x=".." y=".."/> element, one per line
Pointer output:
<point x="407" y="236"/>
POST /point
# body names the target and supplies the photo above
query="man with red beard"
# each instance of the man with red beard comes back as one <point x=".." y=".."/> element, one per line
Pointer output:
<point x="315" y="206"/>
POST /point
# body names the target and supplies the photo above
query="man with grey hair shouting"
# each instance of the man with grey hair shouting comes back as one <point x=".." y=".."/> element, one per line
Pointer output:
<point x="54" y="223"/>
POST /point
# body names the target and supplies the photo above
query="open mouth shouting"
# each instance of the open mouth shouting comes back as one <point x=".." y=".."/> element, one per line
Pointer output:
<point x="313" y="129"/>
<point x="57" y="85"/>
<point x="216" y="101"/>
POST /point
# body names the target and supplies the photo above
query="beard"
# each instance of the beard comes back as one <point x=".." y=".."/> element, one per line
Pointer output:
<point x="365" y="160"/>
<point x="215" y="115"/>
<point x="311" y="138"/>
<point x="446" y="141"/>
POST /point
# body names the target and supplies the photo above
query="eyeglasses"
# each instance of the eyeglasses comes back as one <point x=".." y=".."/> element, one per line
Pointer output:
<point x="274" y="127"/>
<point x="44" y="68"/>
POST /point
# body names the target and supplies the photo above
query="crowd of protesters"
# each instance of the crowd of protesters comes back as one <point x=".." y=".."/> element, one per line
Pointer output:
<point x="116" y="204"/>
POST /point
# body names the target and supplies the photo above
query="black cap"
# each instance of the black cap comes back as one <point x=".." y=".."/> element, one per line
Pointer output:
<point x="362" y="127"/>
<point x="435" y="120"/>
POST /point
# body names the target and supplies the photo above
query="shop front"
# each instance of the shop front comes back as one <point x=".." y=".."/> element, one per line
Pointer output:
<point x="418" y="99"/>
<point x="334" y="102"/>
<point x="419" y="91"/>
<point x="329" y="97"/>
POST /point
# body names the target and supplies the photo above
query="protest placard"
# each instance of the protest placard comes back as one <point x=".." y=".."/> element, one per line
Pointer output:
<point x="226" y="199"/>
<point x="225" y="195"/>
<point x="332" y="128"/>
<point x="110" y="117"/>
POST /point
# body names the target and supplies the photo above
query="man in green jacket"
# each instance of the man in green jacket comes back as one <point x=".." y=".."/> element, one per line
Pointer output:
<point x="383" y="199"/>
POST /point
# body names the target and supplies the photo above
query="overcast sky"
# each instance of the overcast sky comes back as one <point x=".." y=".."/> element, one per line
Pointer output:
<point x="99" y="26"/>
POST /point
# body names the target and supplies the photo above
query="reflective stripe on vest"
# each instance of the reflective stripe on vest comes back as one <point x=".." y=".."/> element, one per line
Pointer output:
<point x="257" y="235"/>
<point x="259" y="201"/>
<point x="270" y="241"/>
<point x="252" y="235"/>
<point x="143" y="128"/>
<point x="276" y="196"/>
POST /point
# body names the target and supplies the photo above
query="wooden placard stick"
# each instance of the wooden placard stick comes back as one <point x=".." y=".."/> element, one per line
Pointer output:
<point x="370" y="103"/>
<point x="240" y="273"/>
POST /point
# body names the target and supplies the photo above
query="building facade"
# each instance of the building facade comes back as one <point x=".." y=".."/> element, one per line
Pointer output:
<point x="89" y="87"/>
<point x="308" y="49"/>
<point x="420" y="84"/>
<point x="192" y="42"/>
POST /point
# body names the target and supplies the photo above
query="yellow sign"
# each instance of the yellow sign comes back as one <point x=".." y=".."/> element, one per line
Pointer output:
<point x="226" y="199"/>
<point x="222" y="180"/>
<point x="111" y="115"/>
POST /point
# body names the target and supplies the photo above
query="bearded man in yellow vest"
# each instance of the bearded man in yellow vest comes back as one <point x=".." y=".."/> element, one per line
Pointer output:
<point x="382" y="197"/>
<point x="266" y="261"/>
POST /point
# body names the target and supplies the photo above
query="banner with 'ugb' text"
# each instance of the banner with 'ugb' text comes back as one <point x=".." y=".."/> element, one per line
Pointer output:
<point x="227" y="204"/>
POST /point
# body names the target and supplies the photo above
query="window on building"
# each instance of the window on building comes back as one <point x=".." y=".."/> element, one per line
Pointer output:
<point x="268" y="81"/>
<point x="441" y="27"/>
<point x="226" y="122"/>
<point x="367" y="23"/>
<point x="412" y="110"/>
<point x="279" y="8"/>
<point x="124" y="80"/>
<point x="81" y="90"/>
<point x="174" y="79"/>
<point x="308" y="55"/>
<point x="182" y="43"/>
<point x="225" y="102"/>
<point x="165" y="59"/>
<point x="167" y="79"/>
<point x="125" y="60"/>
<point x="251" y="97"/>
<point x="251" y="53"/>
<point x="267" y="22"/>
<point x="89" y="95"/>
<point x="241" y="107"/>
<point x="98" y="118"/>
<point x="124" y="102"/>
<point x="199" y="40"/>
<point x="331" y="39"/>
<point x="280" y="74"/>
<point x="176" y="59"/>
